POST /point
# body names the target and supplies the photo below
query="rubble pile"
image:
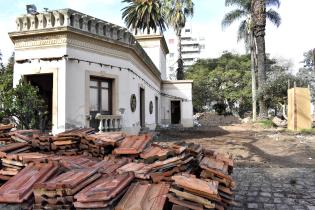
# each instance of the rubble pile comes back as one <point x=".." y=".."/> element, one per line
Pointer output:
<point x="213" y="119"/>
<point x="81" y="169"/>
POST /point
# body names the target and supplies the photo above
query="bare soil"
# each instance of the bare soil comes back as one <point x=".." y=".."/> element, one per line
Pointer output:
<point x="251" y="146"/>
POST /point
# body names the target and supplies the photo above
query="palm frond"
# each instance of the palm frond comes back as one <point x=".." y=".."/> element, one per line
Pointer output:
<point x="238" y="3"/>
<point x="273" y="17"/>
<point x="233" y="16"/>
<point x="270" y="3"/>
<point x="242" y="32"/>
<point x="144" y="15"/>
<point x="177" y="12"/>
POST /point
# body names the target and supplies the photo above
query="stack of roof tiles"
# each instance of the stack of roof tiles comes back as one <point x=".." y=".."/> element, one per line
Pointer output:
<point x="5" y="136"/>
<point x="114" y="171"/>
<point x="101" y="144"/>
<point x="68" y="143"/>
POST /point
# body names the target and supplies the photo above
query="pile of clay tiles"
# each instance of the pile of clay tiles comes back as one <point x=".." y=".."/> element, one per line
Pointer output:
<point x="66" y="143"/>
<point x="15" y="154"/>
<point x="5" y="136"/>
<point x="114" y="171"/>
<point x="100" y="144"/>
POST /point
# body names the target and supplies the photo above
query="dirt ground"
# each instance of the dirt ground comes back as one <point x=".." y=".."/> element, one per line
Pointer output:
<point x="252" y="146"/>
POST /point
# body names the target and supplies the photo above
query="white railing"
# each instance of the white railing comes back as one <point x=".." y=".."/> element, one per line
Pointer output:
<point x="109" y="122"/>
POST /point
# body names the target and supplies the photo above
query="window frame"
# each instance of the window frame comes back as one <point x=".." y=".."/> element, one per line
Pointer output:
<point x="99" y="88"/>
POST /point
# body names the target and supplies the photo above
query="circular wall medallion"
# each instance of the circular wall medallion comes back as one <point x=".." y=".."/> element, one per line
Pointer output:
<point x="151" y="107"/>
<point x="133" y="102"/>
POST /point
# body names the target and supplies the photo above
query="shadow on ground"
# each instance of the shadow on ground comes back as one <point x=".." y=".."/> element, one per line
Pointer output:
<point x="187" y="134"/>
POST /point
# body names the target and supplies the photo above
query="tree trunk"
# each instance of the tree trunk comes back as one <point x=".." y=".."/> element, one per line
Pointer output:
<point x="259" y="20"/>
<point x="253" y="72"/>
<point x="180" y="68"/>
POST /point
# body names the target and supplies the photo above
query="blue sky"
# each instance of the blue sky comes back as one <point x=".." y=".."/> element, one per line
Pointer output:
<point x="288" y="42"/>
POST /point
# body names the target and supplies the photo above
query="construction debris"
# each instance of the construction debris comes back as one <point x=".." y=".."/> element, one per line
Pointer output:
<point x="81" y="169"/>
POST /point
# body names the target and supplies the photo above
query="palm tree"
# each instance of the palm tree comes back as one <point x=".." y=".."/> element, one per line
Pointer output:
<point x="246" y="33"/>
<point x="177" y="12"/>
<point x="144" y="15"/>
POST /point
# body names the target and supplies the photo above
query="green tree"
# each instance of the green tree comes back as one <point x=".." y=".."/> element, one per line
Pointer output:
<point x="177" y="12"/>
<point x="144" y="15"/>
<point x="6" y="85"/>
<point x="22" y="103"/>
<point x="222" y="81"/>
<point x="276" y="89"/>
<point x="1" y="64"/>
<point x="245" y="32"/>
<point x="307" y="73"/>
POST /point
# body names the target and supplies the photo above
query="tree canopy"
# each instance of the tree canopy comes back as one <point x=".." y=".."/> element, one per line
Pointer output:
<point x="224" y="80"/>
<point x="307" y="73"/>
<point x="21" y="104"/>
<point x="144" y="15"/>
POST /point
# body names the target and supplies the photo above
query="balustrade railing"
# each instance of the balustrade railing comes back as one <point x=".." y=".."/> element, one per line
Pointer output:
<point x="109" y="122"/>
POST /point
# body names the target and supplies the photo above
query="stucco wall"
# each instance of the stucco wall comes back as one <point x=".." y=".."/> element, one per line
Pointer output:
<point x="57" y="68"/>
<point x="72" y="93"/>
<point x="155" y="51"/>
<point x="125" y="84"/>
<point x="182" y="89"/>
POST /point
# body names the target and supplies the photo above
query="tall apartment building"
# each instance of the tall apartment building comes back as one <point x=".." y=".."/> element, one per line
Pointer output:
<point x="192" y="46"/>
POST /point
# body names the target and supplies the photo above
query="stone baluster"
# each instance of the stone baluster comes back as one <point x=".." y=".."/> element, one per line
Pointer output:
<point x="50" y="19"/>
<point x="119" y="124"/>
<point x="92" y="25"/>
<point x="100" y="29"/>
<point x="66" y="17"/>
<point x="33" y="22"/>
<point x="41" y="21"/>
<point x="26" y="23"/>
<point x="76" y="20"/>
<point x="110" y="124"/>
<point x="84" y="23"/>
<point x="101" y="127"/>
<point x="115" y="32"/>
<point x="59" y="18"/>
<point x="127" y="37"/>
<point x="114" y="124"/>
<point x="106" y="124"/>
<point x="108" y="30"/>
<point x="19" y="23"/>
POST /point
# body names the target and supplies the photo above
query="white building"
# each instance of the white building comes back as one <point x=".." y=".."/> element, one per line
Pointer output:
<point x="86" y="67"/>
<point x="192" y="45"/>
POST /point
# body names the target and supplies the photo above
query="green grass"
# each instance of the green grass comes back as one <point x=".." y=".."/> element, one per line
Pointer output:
<point x="308" y="131"/>
<point x="266" y="123"/>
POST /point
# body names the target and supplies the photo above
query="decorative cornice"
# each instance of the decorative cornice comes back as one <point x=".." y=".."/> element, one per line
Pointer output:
<point x="29" y="26"/>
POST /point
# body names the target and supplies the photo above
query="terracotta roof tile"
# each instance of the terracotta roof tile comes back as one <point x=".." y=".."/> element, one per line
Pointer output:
<point x="133" y="145"/>
<point x="199" y="186"/>
<point x="100" y="192"/>
<point x="19" y="188"/>
<point x="103" y="139"/>
<point x="144" y="196"/>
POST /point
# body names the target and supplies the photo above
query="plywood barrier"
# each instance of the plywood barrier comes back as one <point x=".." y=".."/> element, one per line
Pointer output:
<point x="299" y="109"/>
